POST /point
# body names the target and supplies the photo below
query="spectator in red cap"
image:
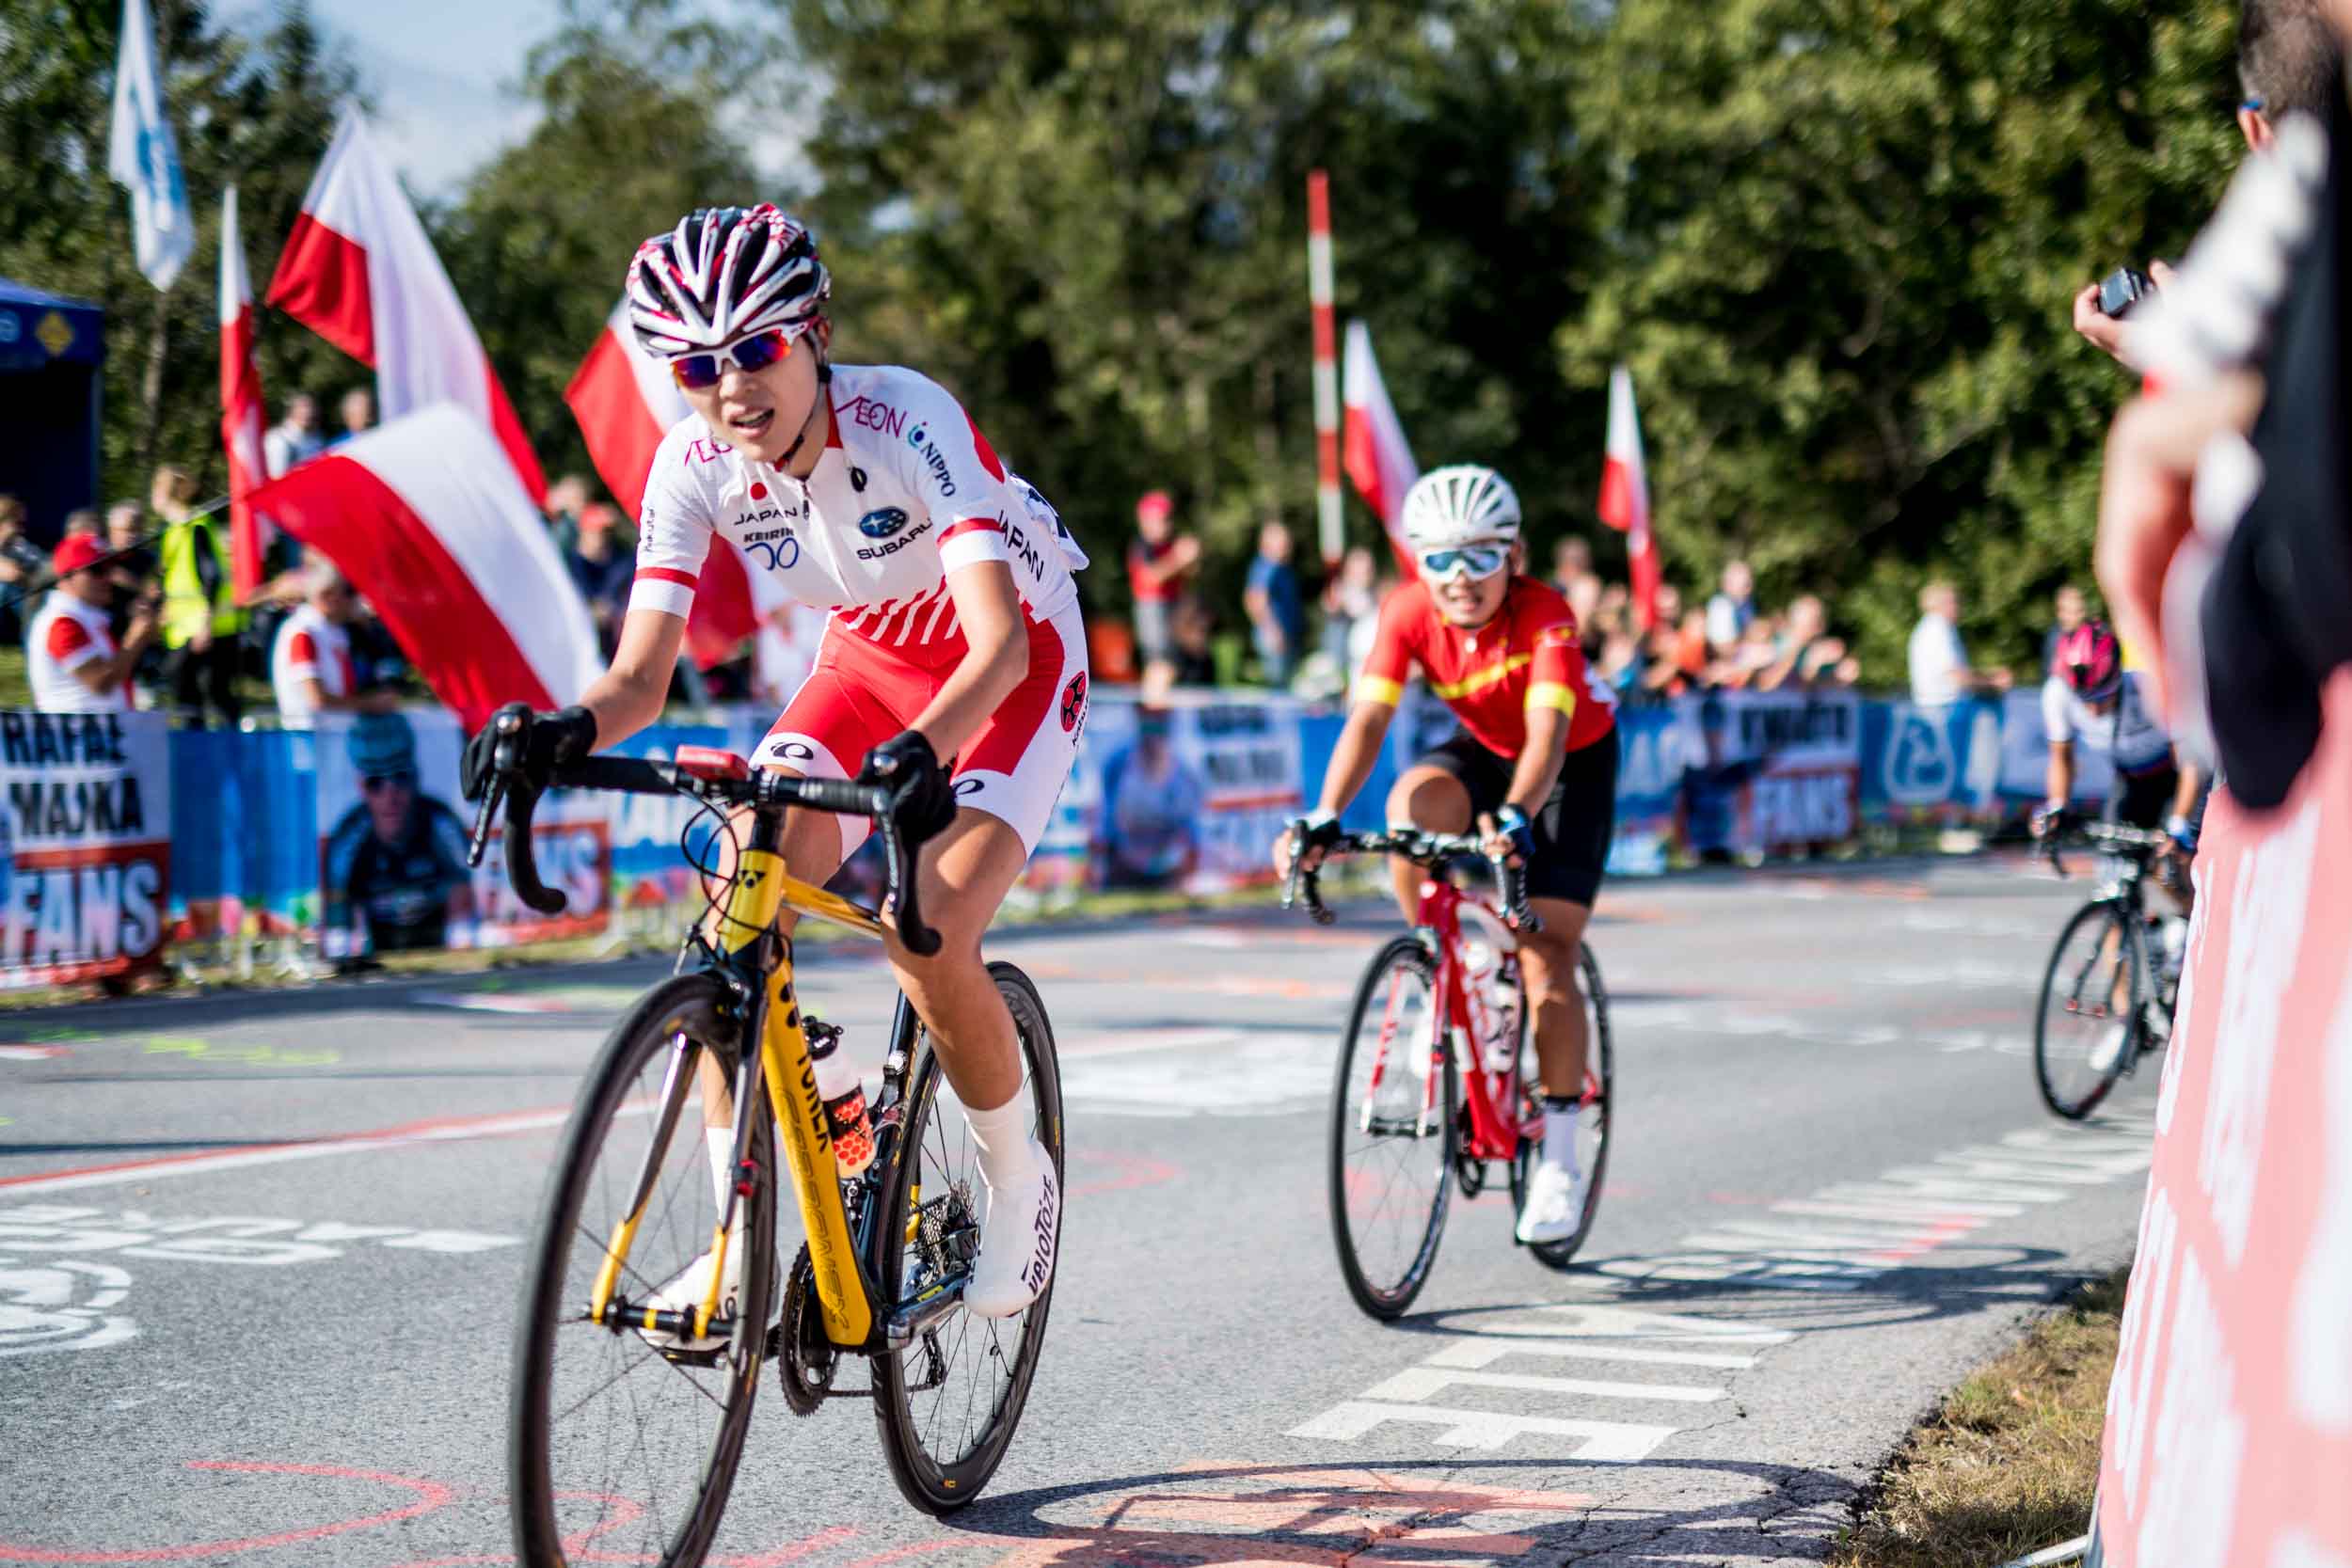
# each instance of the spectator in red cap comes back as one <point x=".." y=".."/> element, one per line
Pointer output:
<point x="75" y="665"/>
<point x="1158" y="562"/>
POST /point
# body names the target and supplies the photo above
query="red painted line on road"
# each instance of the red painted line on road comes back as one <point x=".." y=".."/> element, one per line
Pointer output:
<point x="430" y="1495"/>
<point x="439" y="1128"/>
<point x="1132" y="1171"/>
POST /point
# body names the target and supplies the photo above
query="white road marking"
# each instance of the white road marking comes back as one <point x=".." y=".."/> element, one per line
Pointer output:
<point x="1599" y="1442"/>
<point x="1486" y="1353"/>
<point x="1419" y="1382"/>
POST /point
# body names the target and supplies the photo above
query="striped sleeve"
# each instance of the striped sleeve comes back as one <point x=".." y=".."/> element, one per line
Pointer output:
<point x="302" y="656"/>
<point x="1390" y="662"/>
<point x="672" y="534"/>
<point x="968" y="541"/>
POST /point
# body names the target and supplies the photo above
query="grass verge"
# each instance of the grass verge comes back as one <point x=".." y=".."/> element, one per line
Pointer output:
<point x="2008" y="1464"/>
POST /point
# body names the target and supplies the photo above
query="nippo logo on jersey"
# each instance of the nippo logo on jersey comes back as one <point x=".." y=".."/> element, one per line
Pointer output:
<point x="935" y="460"/>
<point x="883" y="524"/>
<point x="1073" y="703"/>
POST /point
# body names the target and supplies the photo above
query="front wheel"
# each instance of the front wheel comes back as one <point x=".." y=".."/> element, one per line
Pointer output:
<point x="2087" y="1032"/>
<point x="1395" y="1102"/>
<point x="622" y="1446"/>
<point x="947" y="1403"/>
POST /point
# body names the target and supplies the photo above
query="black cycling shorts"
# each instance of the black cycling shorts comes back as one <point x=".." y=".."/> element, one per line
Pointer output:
<point x="1571" y="832"/>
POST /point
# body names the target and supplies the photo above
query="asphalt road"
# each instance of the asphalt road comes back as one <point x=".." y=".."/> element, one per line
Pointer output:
<point x="259" y="1258"/>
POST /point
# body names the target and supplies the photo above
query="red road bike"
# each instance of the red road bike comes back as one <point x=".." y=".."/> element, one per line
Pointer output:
<point x="1437" y="1082"/>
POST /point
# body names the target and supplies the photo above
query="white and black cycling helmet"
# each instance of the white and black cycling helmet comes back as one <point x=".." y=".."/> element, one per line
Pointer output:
<point x="722" y="274"/>
<point x="1463" y="505"/>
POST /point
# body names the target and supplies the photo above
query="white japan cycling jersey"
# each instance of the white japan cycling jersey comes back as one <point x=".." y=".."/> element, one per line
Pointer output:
<point x="906" y="490"/>
<point x="2128" y="733"/>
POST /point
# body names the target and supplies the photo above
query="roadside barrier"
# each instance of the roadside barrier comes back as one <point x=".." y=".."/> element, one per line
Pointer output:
<point x="128" y="842"/>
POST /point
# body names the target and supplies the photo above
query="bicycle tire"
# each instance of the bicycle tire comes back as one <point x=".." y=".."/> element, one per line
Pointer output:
<point x="934" y="1483"/>
<point x="1600" y="1065"/>
<point x="2063" y="1099"/>
<point x="697" y="1006"/>
<point x="1386" y="1303"/>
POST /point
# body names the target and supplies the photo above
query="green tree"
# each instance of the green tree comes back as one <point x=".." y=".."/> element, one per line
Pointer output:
<point x="1843" y="236"/>
<point x="537" y="240"/>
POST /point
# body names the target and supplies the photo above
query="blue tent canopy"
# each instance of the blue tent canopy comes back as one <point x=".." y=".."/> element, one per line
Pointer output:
<point x="51" y="352"/>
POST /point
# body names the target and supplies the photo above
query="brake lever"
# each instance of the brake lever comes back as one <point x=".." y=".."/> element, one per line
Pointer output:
<point x="502" y="761"/>
<point x="905" y="903"/>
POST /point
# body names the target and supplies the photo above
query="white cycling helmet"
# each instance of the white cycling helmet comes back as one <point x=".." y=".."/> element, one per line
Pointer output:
<point x="1464" y="504"/>
<point x="724" y="274"/>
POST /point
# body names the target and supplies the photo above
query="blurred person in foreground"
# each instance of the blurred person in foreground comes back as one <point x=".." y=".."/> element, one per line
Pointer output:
<point x="1159" y="562"/>
<point x="1532" y="768"/>
<point x="2289" y="61"/>
<point x="201" y="621"/>
<point x="395" y="878"/>
<point x="311" y="668"/>
<point x="1276" y="607"/>
<point x="1939" y="671"/>
<point x="72" y="660"/>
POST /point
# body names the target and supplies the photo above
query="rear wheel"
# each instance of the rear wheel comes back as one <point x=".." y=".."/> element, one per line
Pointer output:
<point x="1395" y="1101"/>
<point x="2087" y="1033"/>
<point x="620" y="1450"/>
<point x="947" y="1403"/>
<point x="1591" y="1151"/>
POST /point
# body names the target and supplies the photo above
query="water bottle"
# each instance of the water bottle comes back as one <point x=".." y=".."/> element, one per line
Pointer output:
<point x="1496" y="1006"/>
<point x="837" y="1086"/>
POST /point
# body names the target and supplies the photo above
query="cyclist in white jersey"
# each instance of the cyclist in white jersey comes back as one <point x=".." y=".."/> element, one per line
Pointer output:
<point x="954" y="633"/>
<point x="2092" y="701"/>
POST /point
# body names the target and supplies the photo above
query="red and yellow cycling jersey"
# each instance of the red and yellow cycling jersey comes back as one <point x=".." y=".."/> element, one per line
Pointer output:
<point x="1525" y="659"/>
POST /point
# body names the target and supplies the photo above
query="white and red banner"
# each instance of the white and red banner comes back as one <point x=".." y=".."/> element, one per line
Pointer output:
<point x="1625" y="495"/>
<point x="241" y="416"/>
<point x="359" y="271"/>
<point x="1379" y="461"/>
<point x="626" y="402"/>
<point x="427" y="522"/>
<point x="2228" y="1430"/>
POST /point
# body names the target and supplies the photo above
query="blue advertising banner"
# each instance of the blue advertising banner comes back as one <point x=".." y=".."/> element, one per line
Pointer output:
<point x="1936" y="765"/>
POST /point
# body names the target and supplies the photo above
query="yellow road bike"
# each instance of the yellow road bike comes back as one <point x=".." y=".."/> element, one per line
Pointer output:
<point x="629" y="1415"/>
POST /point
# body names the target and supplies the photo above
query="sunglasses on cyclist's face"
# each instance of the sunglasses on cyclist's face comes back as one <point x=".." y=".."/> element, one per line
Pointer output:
<point x="377" y="783"/>
<point x="699" y="372"/>
<point x="1475" y="560"/>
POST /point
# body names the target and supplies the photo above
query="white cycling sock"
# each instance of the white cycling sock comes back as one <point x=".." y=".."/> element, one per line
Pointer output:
<point x="1003" y="1135"/>
<point x="720" y="1142"/>
<point x="1560" y="1136"/>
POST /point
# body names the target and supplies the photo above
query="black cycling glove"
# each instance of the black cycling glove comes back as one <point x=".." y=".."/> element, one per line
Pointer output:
<point x="1320" y="829"/>
<point x="548" y="741"/>
<point x="1514" y="821"/>
<point x="906" y="765"/>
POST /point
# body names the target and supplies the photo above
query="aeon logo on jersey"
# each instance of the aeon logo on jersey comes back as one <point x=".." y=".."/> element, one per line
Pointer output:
<point x="866" y="414"/>
<point x="920" y="439"/>
<point x="883" y="524"/>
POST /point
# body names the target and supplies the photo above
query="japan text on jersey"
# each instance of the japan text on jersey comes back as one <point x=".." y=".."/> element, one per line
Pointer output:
<point x="906" y="491"/>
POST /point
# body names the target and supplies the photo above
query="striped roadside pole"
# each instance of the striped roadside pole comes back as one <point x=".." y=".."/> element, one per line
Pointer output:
<point x="1326" y="366"/>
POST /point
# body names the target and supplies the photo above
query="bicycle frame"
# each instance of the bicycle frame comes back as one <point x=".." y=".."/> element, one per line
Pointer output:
<point x="1493" y="1135"/>
<point x="742" y="941"/>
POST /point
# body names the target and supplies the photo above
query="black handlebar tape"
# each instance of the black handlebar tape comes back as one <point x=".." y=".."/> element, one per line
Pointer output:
<point x="845" y="796"/>
<point x="624" y="775"/>
<point x="522" y="870"/>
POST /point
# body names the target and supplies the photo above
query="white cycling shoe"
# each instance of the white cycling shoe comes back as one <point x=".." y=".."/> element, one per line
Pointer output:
<point x="1018" y="1240"/>
<point x="1555" y="1203"/>
<point x="684" y="1291"/>
<point x="2110" y="1047"/>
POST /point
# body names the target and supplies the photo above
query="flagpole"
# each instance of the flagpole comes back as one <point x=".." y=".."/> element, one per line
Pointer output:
<point x="1327" y="375"/>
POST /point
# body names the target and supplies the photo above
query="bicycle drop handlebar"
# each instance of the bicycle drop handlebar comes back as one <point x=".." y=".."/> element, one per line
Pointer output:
<point x="2142" y="843"/>
<point x="1422" y="848"/>
<point x="639" y="776"/>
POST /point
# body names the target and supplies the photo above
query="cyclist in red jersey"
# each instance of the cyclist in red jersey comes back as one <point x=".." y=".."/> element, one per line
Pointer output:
<point x="1534" y="764"/>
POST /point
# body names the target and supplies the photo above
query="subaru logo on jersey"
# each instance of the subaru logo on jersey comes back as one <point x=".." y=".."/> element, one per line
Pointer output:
<point x="883" y="524"/>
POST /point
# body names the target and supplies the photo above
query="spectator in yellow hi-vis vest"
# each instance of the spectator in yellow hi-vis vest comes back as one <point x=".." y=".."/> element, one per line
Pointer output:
<point x="202" y="650"/>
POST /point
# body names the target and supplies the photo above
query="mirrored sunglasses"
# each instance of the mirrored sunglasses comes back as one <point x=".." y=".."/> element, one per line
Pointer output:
<point x="375" y="784"/>
<point x="698" y="372"/>
<point x="1477" y="560"/>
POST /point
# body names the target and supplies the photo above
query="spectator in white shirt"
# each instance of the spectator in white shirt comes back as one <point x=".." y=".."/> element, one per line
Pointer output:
<point x="295" y="438"/>
<point x="1730" y="611"/>
<point x="1940" y="671"/>
<point x="73" y="659"/>
<point x="309" y="662"/>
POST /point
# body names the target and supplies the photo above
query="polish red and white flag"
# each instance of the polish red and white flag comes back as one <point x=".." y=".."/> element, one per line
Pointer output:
<point x="1379" y="459"/>
<point x="241" y="416"/>
<point x="1625" y="495"/>
<point x="428" y="522"/>
<point x="626" y="402"/>
<point x="359" y="271"/>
